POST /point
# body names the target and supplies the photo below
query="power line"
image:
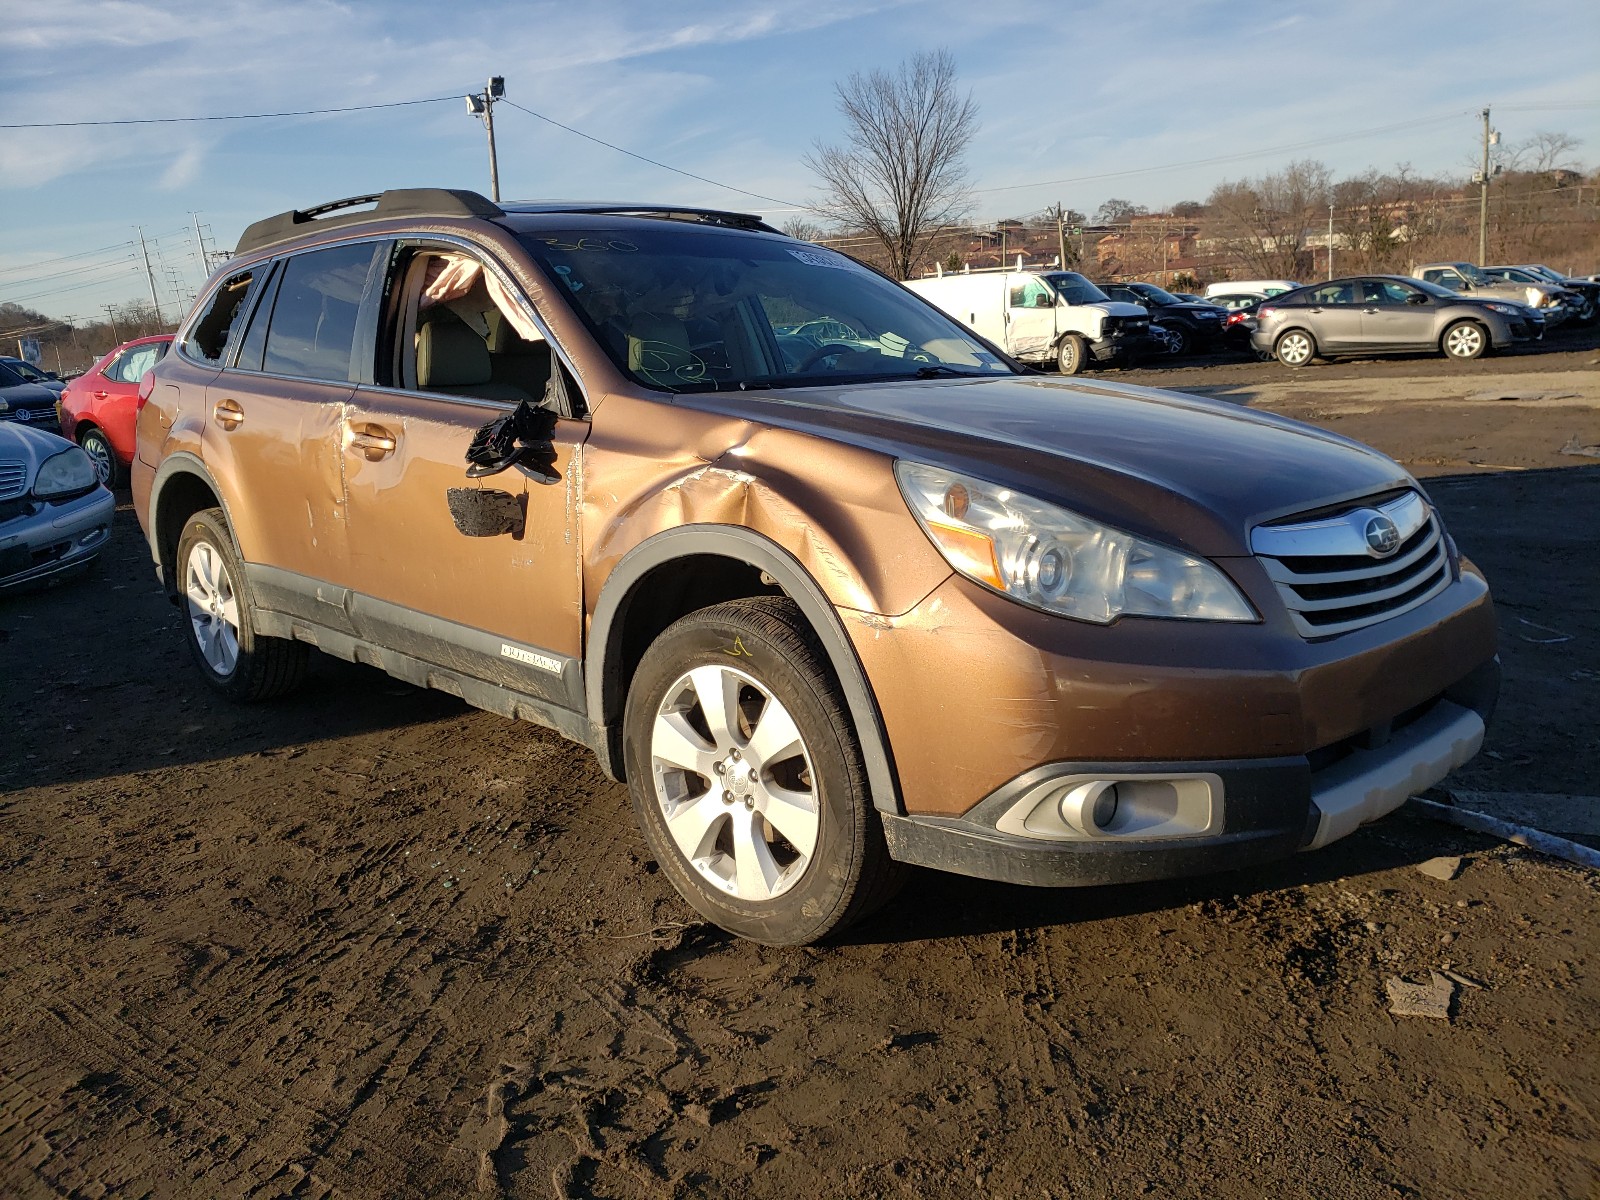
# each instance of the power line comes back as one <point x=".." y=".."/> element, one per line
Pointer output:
<point x="304" y="112"/>
<point x="640" y="157"/>
<point x="44" y="262"/>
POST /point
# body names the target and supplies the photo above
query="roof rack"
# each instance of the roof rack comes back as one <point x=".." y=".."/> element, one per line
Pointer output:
<point x="398" y="202"/>
<point x="678" y="212"/>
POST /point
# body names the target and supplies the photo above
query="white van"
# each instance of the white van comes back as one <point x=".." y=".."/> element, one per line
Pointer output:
<point x="1266" y="287"/>
<point x="1042" y="316"/>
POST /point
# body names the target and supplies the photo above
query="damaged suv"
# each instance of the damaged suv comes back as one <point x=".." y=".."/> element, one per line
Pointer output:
<point x="828" y="580"/>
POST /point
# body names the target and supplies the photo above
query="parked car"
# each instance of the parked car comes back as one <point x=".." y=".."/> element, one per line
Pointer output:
<point x="54" y="514"/>
<point x="1588" y="290"/>
<point x="45" y="379"/>
<point x="1198" y="326"/>
<point x="98" y="408"/>
<point x="1387" y="314"/>
<point x="1041" y="317"/>
<point x="1264" y="287"/>
<point x="24" y="401"/>
<point x="902" y="602"/>
<point x="1240" y="324"/>
<point x="1555" y="304"/>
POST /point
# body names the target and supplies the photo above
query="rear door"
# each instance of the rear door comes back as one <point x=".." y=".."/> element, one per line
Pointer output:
<point x="274" y="421"/>
<point x="1334" y="316"/>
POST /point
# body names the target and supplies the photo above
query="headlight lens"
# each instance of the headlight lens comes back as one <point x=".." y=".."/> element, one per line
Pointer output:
<point x="64" y="473"/>
<point x="1052" y="559"/>
<point x="1507" y="309"/>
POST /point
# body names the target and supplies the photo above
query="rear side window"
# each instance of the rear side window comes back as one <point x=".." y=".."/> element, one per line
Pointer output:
<point x="211" y="335"/>
<point x="131" y="365"/>
<point x="313" y="328"/>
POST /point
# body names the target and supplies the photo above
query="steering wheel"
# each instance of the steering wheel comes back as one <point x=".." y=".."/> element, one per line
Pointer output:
<point x="822" y="352"/>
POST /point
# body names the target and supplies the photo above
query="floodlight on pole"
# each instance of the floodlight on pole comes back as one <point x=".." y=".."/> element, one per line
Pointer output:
<point x="481" y="105"/>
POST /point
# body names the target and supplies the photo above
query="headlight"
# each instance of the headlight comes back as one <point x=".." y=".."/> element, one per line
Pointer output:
<point x="1055" y="560"/>
<point x="1507" y="309"/>
<point x="1537" y="298"/>
<point x="64" y="473"/>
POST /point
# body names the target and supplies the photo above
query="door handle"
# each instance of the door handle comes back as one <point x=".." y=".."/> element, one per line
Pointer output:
<point x="100" y="395"/>
<point x="374" y="441"/>
<point x="1370" y="311"/>
<point x="228" y="414"/>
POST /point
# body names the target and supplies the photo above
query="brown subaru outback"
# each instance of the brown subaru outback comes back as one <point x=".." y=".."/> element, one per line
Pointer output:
<point x="830" y="582"/>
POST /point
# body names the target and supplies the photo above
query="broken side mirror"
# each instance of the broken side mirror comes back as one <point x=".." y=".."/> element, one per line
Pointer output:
<point x="522" y="439"/>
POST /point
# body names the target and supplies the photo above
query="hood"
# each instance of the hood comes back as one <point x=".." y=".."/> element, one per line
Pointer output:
<point x="30" y="446"/>
<point x="1180" y="469"/>
<point x="1116" y="308"/>
<point x="28" y="395"/>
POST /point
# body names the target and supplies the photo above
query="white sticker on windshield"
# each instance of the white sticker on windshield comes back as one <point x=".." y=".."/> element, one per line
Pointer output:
<point x="812" y="258"/>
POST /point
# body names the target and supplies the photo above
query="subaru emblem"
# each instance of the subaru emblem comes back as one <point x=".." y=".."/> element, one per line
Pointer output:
<point x="1383" y="539"/>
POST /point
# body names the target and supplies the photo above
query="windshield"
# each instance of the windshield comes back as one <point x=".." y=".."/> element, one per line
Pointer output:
<point x="1154" y="293"/>
<point x="698" y="310"/>
<point x="1475" y="274"/>
<point x="1075" y="289"/>
<point x="9" y="378"/>
<point x="27" y="370"/>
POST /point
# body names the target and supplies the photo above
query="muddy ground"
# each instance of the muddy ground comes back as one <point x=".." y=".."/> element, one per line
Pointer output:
<point x="371" y="943"/>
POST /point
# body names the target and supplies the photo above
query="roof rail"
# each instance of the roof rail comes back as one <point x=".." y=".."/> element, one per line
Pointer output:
<point x="680" y="212"/>
<point x="398" y="202"/>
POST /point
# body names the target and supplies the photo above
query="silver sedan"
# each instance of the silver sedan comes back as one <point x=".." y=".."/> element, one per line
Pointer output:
<point x="55" y="515"/>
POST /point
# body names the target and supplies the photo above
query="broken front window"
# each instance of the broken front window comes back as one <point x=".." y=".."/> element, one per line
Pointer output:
<point x="707" y="309"/>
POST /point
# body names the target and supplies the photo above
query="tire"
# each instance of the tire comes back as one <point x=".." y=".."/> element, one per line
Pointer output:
<point x="708" y="771"/>
<point x="106" y="465"/>
<point x="1182" y="340"/>
<point x="1071" y="355"/>
<point x="1294" y="348"/>
<point x="242" y="664"/>
<point x="1464" y="341"/>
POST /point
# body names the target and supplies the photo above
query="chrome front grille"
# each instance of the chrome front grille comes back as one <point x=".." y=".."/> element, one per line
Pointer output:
<point x="13" y="478"/>
<point x="1337" y="572"/>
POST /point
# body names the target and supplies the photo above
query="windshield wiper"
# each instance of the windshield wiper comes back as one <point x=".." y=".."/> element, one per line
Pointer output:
<point x="944" y="371"/>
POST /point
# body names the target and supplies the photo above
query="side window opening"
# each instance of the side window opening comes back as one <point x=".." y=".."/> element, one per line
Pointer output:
<point x="457" y="331"/>
<point x="208" y="340"/>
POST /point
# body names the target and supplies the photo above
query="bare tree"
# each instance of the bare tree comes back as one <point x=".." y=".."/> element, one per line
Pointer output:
<point x="900" y="175"/>
<point x="803" y="230"/>
<point x="1118" y="212"/>
<point x="1261" y="225"/>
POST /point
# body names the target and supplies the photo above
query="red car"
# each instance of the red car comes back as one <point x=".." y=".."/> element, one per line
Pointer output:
<point x="98" y="408"/>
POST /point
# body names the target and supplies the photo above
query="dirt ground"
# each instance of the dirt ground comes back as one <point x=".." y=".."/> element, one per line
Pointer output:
<point x="371" y="943"/>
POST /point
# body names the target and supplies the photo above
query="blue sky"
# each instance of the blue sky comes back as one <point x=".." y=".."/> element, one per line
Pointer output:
<point x="735" y="91"/>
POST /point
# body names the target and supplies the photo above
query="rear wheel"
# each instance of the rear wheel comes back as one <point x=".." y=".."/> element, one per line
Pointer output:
<point x="1178" y="340"/>
<point x="235" y="659"/>
<point x="1465" y="340"/>
<point x="98" y="447"/>
<point x="746" y="777"/>
<point x="1072" y="354"/>
<point x="1295" y="348"/>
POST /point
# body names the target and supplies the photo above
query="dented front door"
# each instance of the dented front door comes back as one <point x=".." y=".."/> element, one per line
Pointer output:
<point x="1030" y="317"/>
<point x="508" y="607"/>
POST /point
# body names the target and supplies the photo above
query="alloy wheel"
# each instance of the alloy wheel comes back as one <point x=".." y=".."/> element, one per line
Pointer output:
<point x="213" y="608"/>
<point x="735" y="784"/>
<point x="1464" y="341"/>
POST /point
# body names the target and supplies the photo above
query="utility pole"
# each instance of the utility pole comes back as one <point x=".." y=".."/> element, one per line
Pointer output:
<point x="1061" y="234"/>
<point x="1330" y="241"/>
<point x="481" y="105"/>
<point x="151" y="276"/>
<point x="111" y="313"/>
<point x="1489" y="138"/>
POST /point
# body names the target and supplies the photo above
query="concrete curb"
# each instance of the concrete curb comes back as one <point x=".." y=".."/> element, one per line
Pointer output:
<point x="1533" y="839"/>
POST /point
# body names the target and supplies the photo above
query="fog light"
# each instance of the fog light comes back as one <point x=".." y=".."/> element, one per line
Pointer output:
<point x="1105" y="807"/>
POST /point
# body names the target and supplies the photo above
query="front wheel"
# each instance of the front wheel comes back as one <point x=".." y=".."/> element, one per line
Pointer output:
<point x="235" y="659"/>
<point x="1465" y="340"/>
<point x="106" y="465"/>
<point x="1071" y="354"/>
<point x="746" y="777"/>
<point x="1295" y="348"/>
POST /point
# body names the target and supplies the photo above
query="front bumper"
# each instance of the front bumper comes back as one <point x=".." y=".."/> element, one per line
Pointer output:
<point x="1266" y="809"/>
<point x="1123" y="345"/>
<point x="54" y="538"/>
<point x="36" y="416"/>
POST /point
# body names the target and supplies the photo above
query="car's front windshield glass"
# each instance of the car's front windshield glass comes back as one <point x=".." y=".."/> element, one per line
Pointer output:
<point x="698" y="310"/>
<point x="1160" y="296"/>
<point x="27" y="370"/>
<point x="1075" y="289"/>
<point x="9" y="378"/>
<point x="1474" y="274"/>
